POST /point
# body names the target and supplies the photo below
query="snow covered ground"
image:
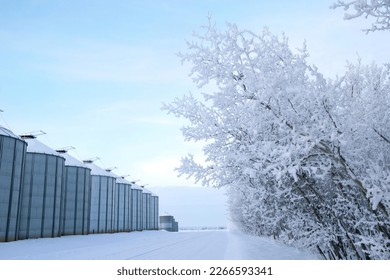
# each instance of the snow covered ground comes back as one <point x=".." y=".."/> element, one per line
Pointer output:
<point x="152" y="245"/>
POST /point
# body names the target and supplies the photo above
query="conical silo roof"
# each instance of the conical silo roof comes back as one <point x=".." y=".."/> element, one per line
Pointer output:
<point x="137" y="187"/>
<point x="98" y="171"/>
<point x="71" y="161"/>
<point x="6" y="132"/>
<point x="153" y="194"/>
<point x="146" y="190"/>
<point x="121" y="180"/>
<point x="34" y="146"/>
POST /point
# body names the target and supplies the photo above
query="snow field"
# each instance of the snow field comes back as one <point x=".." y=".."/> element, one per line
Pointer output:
<point x="152" y="245"/>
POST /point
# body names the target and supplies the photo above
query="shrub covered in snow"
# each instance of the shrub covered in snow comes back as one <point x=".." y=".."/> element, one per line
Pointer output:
<point x="305" y="160"/>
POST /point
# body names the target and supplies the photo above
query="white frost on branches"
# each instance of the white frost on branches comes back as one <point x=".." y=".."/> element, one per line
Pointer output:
<point x="305" y="160"/>
<point x="378" y="9"/>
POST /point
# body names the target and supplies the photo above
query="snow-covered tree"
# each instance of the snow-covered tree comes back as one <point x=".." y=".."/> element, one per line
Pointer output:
<point x="377" y="9"/>
<point x="363" y="109"/>
<point x="280" y="138"/>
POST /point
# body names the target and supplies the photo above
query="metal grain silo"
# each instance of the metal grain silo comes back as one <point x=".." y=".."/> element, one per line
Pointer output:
<point x="146" y="195"/>
<point x="102" y="199"/>
<point x="136" y="207"/>
<point x="123" y="209"/>
<point x="76" y="196"/>
<point x="154" y="211"/>
<point x="151" y="212"/>
<point x="40" y="207"/>
<point x="12" y="159"/>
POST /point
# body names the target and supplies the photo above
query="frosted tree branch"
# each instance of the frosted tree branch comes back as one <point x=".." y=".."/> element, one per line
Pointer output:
<point x="376" y="9"/>
<point x="296" y="152"/>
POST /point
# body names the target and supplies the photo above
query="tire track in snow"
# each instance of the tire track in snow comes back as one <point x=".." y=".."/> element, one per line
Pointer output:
<point x="163" y="247"/>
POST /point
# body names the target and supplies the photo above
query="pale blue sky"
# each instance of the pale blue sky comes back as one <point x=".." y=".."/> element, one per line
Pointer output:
<point x="93" y="74"/>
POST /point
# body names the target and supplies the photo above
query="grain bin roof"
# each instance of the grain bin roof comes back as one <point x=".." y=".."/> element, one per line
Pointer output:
<point x="136" y="187"/>
<point x="146" y="191"/>
<point x="121" y="180"/>
<point x="34" y="146"/>
<point x="96" y="170"/>
<point x="6" y="132"/>
<point x="71" y="161"/>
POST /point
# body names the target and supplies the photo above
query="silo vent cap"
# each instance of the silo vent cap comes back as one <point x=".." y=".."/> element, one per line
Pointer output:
<point x="65" y="149"/>
<point x="32" y="135"/>
<point x="110" y="169"/>
<point x="27" y="136"/>
<point x="91" y="160"/>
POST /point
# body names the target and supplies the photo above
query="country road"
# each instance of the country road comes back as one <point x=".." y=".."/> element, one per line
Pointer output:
<point x="152" y="245"/>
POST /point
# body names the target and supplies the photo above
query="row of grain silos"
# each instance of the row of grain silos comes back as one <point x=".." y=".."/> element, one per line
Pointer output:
<point x="48" y="193"/>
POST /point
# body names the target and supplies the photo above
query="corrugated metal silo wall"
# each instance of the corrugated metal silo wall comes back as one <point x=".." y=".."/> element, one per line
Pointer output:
<point x="136" y="209"/>
<point x="156" y="212"/>
<point x="76" y="200"/>
<point x="102" y="204"/>
<point x="12" y="159"/>
<point x="134" y="197"/>
<point x="145" y="210"/>
<point x="122" y="207"/>
<point x="153" y="222"/>
<point x="41" y="196"/>
<point x="140" y="208"/>
<point x="151" y="213"/>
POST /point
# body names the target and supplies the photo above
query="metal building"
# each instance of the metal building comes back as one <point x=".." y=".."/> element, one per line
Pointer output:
<point x="168" y="223"/>
<point x="76" y="196"/>
<point x="175" y="226"/>
<point x="123" y="209"/>
<point x="136" y="207"/>
<point x="102" y="199"/>
<point x="12" y="160"/>
<point x="40" y="207"/>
